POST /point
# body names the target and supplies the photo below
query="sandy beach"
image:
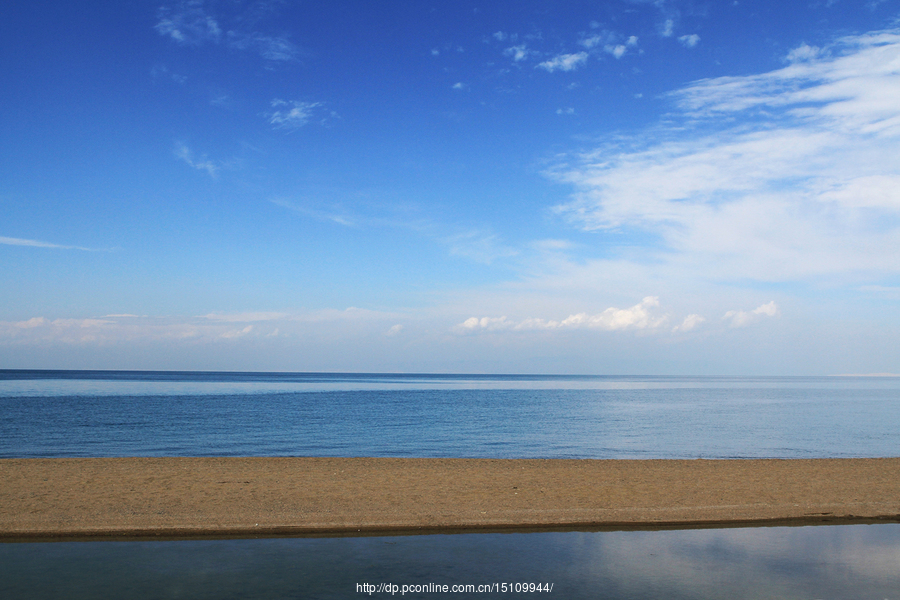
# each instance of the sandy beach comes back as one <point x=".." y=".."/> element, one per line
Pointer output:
<point x="192" y="497"/>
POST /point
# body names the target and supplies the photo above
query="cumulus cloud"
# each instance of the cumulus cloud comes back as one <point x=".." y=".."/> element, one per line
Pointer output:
<point x="564" y="62"/>
<point x="639" y="316"/>
<point x="785" y="174"/>
<point x="740" y="318"/>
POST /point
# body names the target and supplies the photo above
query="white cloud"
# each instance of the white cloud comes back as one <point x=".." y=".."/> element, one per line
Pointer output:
<point x="394" y="330"/>
<point x="639" y="316"/>
<point x="689" y="41"/>
<point x="32" y="322"/>
<point x="291" y="114"/>
<point x="690" y="322"/>
<point x="740" y="318"/>
<point x="235" y="333"/>
<point x="565" y="111"/>
<point x="564" y="62"/>
<point x="786" y="174"/>
<point x="201" y="164"/>
<point x="459" y="85"/>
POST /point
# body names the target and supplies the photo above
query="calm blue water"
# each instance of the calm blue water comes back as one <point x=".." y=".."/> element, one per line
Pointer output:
<point x="78" y="413"/>
<point x="111" y="413"/>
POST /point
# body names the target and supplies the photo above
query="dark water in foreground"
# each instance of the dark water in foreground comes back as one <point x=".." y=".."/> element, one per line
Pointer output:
<point x="847" y="562"/>
<point x="45" y="414"/>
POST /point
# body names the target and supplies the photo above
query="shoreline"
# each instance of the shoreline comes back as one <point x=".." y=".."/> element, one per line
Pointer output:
<point x="215" y="497"/>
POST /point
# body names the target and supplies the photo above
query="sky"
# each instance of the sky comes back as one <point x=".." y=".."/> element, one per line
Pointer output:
<point x="663" y="187"/>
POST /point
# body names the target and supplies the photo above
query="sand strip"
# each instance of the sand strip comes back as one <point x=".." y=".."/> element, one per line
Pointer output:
<point x="183" y="497"/>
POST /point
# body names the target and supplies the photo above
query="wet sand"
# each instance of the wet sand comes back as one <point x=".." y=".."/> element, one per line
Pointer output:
<point x="193" y="497"/>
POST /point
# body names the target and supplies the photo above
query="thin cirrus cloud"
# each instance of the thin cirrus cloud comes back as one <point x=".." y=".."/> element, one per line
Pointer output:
<point x="781" y="175"/>
<point x="11" y="241"/>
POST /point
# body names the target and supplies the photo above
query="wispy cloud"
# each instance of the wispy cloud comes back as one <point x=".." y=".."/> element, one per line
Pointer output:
<point x="291" y="114"/>
<point x="213" y="328"/>
<point x="784" y="174"/>
<point x="334" y="214"/>
<point x="277" y="48"/>
<point x="188" y="23"/>
<point x="479" y="246"/>
<point x="191" y="23"/>
<point x="564" y="62"/>
<point x="201" y="163"/>
<point x="11" y="241"/>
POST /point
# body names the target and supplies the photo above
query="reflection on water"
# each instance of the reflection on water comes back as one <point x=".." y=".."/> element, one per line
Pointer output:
<point x="850" y="561"/>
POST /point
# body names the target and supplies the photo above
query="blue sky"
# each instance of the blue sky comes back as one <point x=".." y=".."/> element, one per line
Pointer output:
<point x="650" y="187"/>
